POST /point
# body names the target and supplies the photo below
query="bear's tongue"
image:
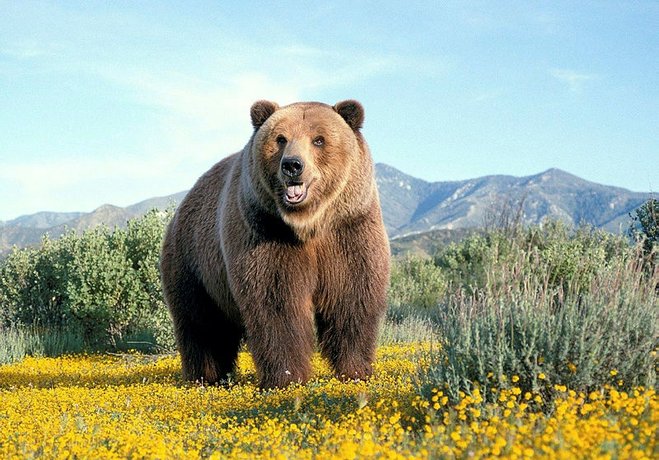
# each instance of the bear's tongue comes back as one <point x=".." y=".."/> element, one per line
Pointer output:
<point x="295" y="193"/>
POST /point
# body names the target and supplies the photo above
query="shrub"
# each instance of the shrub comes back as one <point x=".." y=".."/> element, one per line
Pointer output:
<point x="568" y="328"/>
<point x="416" y="284"/>
<point x="143" y="241"/>
<point x="551" y="254"/>
<point x="102" y="283"/>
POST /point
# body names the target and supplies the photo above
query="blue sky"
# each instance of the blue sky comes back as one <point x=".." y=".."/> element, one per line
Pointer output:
<point x="115" y="102"/>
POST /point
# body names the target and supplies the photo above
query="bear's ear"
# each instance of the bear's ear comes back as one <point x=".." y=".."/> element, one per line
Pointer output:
<point x="261" y="111"/>
<point x="352" y="112"/>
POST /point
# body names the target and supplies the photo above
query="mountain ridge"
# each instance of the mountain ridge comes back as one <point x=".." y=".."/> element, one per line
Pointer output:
<point x="410" y="205"/>
<point x="553" y="193"/>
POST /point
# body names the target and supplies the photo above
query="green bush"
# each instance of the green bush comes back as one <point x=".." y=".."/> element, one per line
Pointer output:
<point x="571" y="259"/>
<point x="551" y="305"/>
<point x="102" y="283"/>
<point x="548" y="304"/>
<point x="416" y="284"/>
<point x="552" y="254"/>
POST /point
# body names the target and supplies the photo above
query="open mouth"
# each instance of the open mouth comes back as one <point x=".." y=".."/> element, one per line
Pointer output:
<point x="295" y="193"/>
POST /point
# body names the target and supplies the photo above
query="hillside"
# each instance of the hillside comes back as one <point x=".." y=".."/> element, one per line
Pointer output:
<point x="410" y="206"/>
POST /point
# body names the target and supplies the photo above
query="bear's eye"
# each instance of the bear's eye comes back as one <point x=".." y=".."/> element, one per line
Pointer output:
<point x="281" y="140"/>
<point x="319" y="141"/>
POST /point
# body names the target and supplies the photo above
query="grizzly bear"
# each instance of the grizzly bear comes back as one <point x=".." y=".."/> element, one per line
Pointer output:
<point x="280" y="243"/>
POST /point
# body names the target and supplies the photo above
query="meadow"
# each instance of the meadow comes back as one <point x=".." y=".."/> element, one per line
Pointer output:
<point x="135" y="406"/>
<point x="536" y="342"/>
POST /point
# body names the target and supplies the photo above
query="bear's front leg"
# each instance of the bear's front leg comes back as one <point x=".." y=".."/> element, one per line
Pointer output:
<point x="280" y="337"/>
<point x="348" y="337"/>
<point x="352" y="299"/>
<point x="273" y="287"/>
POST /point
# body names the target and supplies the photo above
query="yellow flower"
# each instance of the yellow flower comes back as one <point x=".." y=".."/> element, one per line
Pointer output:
<point x="542" y="376"/>
<point x="138" y="407"/>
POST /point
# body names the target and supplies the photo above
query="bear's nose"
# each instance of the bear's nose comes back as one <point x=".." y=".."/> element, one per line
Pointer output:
<point x="292" y="166"/>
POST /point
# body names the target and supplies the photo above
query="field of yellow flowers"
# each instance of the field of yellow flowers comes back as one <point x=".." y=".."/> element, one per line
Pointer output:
<point x="135" y="406"/>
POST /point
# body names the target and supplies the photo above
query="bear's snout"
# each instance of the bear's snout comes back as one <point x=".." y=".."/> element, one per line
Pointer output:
<point x="292" y="167"/>
<point x="295" y="191"/>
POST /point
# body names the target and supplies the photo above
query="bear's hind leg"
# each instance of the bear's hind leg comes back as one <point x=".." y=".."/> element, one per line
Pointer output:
<point x="208" y="340"/>
<point x="209" y="349"/>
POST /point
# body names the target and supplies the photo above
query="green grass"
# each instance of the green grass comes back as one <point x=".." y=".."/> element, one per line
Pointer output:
<point x="18" y="342"/>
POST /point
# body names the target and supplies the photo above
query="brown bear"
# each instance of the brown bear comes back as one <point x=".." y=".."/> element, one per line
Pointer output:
<point x="278" y="243"/>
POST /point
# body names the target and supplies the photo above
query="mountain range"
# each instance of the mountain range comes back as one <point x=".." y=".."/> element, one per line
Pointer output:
<point x="410" y="206"/>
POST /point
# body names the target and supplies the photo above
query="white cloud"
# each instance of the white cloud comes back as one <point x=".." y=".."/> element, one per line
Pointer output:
<point x="486" y="96"/>
<point x="45" y="177"/>
<point x="29" y="49"/>
<point x="210" y="104"/>
<point x="203" y="117"/>
<point x="298" y="50"/>
<point x="213" y="104"/>
<point x="573" y="79"/>
<point x="200" y="105"/>
<point x="82" y="184"/>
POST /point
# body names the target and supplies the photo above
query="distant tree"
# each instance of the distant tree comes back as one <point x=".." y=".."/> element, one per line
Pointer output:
<point x="644" y="229"/>
<point x="506" y="215"/>
<point x="645" y="223"/>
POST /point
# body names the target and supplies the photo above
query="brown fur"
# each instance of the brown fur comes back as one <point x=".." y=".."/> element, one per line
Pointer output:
<point x="239" y="260"/>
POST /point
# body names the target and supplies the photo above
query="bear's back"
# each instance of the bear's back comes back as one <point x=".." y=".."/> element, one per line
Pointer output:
<point x="193" y="233"/>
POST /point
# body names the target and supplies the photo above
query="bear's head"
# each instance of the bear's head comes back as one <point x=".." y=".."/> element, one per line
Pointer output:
<point x="311" y="159"/>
